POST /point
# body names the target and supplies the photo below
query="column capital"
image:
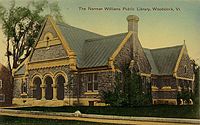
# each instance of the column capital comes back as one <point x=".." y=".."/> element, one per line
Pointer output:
<point x="42" y="85"/>
<point x="54" y="85"/>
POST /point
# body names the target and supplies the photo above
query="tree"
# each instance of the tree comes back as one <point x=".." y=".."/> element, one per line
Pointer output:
<point x="196" y="94"/>
<point x="127" y="92"/>
<point x="21" y="27"/>
<point x="115" y="97"/>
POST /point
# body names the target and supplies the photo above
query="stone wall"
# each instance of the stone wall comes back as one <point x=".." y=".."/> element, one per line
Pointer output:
<point x="54" y="52"/>
<point x="161" y="81"/>
<point x="48" y="28"/>
<point x="164" y="95"/>
<point x="42" y="72"/>
<point x="104" y="80"/>
<point x="164" y="81"/>
<point x="185" y="62"/>
<point x="17" y="88"/>
<point x="126" y="55"/>
<point x="143" y="61"/>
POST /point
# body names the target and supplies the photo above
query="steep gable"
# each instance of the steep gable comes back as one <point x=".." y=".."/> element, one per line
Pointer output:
<point x="184" y="66"/>
<point x="149" y="56"/>
<point x="49" y="45"/>
<point x="163" y="60"/>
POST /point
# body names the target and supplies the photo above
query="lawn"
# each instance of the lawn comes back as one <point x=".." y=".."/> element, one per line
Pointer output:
<point x="7" y="120"/>
<point x="146" y="111"/>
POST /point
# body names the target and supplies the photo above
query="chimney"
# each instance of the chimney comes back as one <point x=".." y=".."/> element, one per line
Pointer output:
<point x="133" y="23"/>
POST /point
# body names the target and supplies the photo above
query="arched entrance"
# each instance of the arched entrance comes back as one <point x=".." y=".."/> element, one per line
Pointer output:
<point x="60" y="80"/>
<point x="37" y="92"/>
<point x="49" y="89"/>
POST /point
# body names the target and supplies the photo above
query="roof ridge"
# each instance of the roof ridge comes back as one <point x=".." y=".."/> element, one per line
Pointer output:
<point x="65" y="24"/>
<point x="165" y="47"/>
<point x="104" y="37"/>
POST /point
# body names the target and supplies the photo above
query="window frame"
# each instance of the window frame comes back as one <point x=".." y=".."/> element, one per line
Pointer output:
<point x="92" y="80"/>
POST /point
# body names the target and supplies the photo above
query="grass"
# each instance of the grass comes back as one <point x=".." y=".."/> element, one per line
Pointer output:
<point x="7" y="120"/>
<point x="146" y="111"/>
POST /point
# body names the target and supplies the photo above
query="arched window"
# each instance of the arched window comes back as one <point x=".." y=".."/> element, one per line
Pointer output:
<point x="37" y="92"/>
<point x="60" y="80"/>
<point x="49" y="89"/>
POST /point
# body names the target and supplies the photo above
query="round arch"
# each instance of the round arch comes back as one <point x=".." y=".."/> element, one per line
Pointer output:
<point x="37" y="91"/>
<point x="61" y="81"/>
<point x="33" y="77"/>
<point x="48" y="81"/>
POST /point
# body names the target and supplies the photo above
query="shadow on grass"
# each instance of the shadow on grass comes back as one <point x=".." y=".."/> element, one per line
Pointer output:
<point x="166" y="111"/>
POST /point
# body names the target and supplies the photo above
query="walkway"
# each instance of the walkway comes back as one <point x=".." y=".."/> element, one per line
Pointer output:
<point x="98" y="118"/>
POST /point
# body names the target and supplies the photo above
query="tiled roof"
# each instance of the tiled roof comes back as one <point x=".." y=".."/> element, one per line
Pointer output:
<point x="163" y="60"/>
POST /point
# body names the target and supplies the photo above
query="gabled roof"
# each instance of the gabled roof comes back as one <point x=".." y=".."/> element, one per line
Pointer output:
<point x="149" y="56"/>
<point x="96" y="52"/>
<point x="163" y="60"/>
<point x="21" y="70"/>
<point x="92" y="49"/>
<point x="76" y="38"/>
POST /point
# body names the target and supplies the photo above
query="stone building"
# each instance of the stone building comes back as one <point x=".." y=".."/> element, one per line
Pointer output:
<point x="5" y="87"/>
<point x="70" y="66"/>
<point x="171" y="72"/>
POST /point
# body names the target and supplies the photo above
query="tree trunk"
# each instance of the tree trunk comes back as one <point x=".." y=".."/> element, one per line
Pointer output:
<point x="9" y="67"/>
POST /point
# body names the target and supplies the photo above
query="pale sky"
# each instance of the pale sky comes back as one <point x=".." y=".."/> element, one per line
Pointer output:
<point x="156" y="28"/>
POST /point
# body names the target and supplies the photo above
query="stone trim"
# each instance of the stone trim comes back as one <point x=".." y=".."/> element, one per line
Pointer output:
<point x="121" y="45"/>
<point x="162" y="101"/>
<point x="179" y="60"/>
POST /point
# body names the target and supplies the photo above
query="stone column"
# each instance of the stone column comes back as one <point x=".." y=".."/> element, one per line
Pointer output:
<point x="43" y="86"/>
<point x="54" y="85"/>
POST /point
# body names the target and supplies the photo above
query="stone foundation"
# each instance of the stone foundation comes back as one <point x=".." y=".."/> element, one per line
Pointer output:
<point x="51" y="103"/>
<point x="164" y="101"/>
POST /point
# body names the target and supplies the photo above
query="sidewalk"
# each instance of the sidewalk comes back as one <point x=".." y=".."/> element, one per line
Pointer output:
<point x="98" y="118"/>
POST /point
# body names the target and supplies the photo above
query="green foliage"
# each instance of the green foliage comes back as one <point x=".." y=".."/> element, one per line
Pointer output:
<point x="127" y="92"/>
<point x="21" y="26"/>
<point x="115" y="97"/>
<point x="196" y="95"/>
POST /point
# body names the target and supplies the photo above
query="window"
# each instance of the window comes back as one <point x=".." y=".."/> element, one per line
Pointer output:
<point x="90" y="87"/>
<point x="91" y="103"/>
<point x="185" y="69"/>
<point x="2" y="98"/>
<point x="90" y="77"/>
<point x="96" y="86"/>
<point x="92" y="84"/>
<point x="1" y="84"/>
<point x="23" y="87"/>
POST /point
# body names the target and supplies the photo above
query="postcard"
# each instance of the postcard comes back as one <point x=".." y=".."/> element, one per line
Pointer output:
<point x="99" y="61"/>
